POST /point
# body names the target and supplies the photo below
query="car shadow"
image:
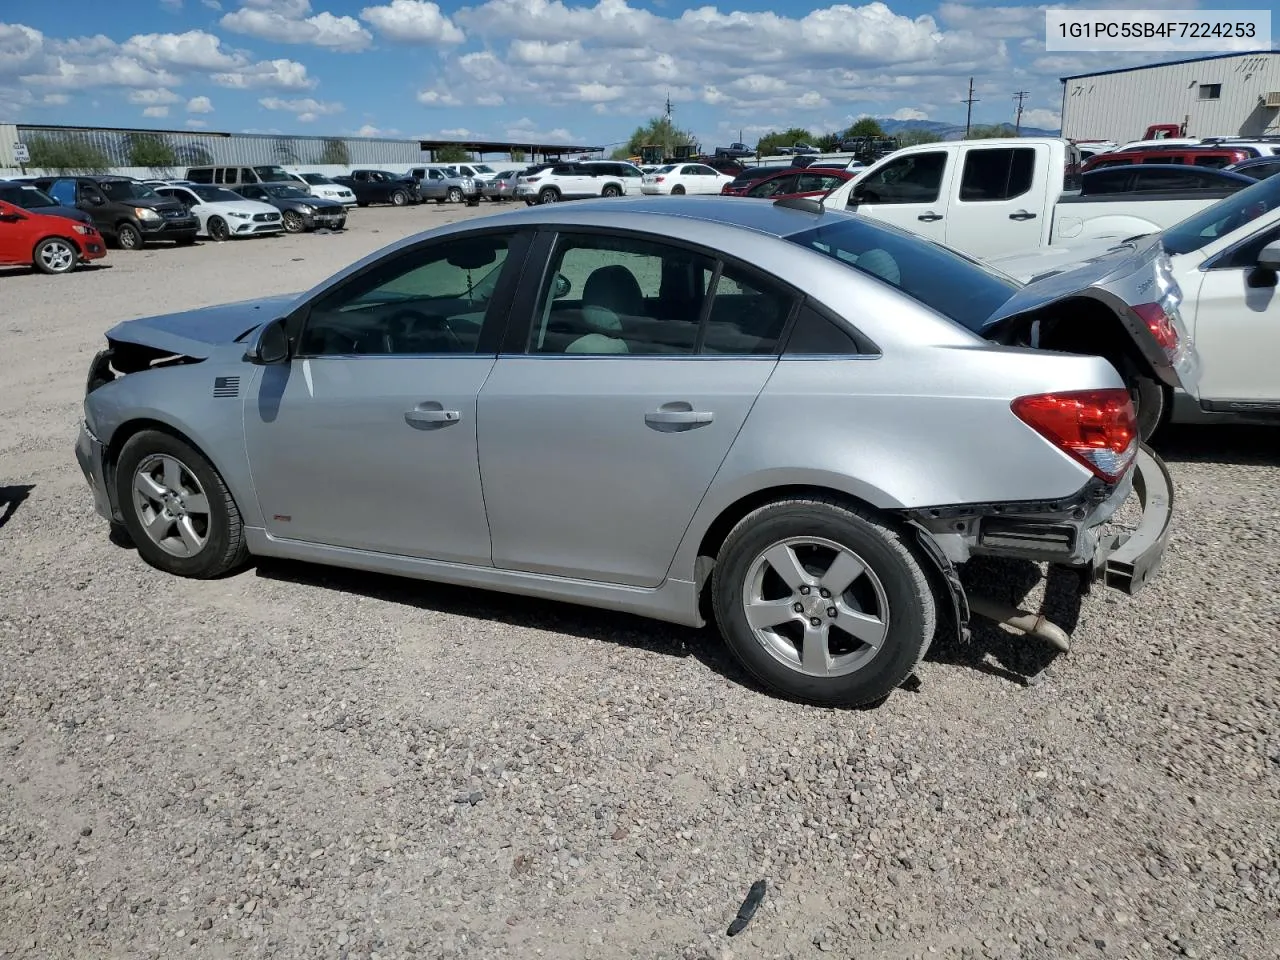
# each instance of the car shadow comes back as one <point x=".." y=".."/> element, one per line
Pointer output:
<point x="11" y="498"/>
<point x="1257" y="446"/>
<point x="990" y="649"/>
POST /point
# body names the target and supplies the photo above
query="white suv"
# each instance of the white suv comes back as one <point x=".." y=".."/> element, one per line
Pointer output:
<point x="576" y="180"/>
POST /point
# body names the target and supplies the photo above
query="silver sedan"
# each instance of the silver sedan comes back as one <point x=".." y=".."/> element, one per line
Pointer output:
<point x="638" y="405"/>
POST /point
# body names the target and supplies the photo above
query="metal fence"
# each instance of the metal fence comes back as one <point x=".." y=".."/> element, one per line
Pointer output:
<point x="111" y="148"/>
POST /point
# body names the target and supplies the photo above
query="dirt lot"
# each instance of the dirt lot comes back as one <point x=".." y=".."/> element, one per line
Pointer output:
<point x="300" y="762"/>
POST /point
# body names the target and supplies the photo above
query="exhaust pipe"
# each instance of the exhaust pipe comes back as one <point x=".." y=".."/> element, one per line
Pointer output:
<point x="1032" y="624"/>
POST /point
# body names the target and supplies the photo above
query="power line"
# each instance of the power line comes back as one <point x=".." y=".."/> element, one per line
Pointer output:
<point x="1017" y="125"/>
<point x="968" y="116"/>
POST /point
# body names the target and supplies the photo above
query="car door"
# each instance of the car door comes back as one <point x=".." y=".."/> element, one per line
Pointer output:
<point x="779" y="186"/>
<point x="909" y="192"/>
<point x="16" y="242"/>
<point x="999" y="204"/>
<point x="1237" y="324"/>
<point x="606" y="417"/>
<point x="366" y="438"/>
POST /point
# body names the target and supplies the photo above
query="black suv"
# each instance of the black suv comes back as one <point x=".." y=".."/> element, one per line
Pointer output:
<point x="126" y="212"/>
<point x="382" y="186"/>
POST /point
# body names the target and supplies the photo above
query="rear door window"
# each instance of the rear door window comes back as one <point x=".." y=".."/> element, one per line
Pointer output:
<point x="1002" y="173"/>
<point x="64" y="191"/>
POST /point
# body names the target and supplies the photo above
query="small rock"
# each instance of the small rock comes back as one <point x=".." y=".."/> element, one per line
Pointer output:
<point x="206" y="924"/>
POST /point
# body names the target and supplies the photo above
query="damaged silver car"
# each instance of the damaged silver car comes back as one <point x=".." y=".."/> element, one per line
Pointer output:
<point x="780" y="418"/>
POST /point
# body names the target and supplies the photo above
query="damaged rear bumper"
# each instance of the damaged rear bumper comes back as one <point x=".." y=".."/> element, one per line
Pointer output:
<point x="1127" y="561"/>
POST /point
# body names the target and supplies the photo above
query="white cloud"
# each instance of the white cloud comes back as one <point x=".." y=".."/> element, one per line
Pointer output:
<point x="1042" y="118"/>
<point x="193" y="50"/>
<point x="55" y="99"/>
<point x="199" y="105"/>
<point x="113" y="72"/>
<point x="438" y="98"/>
<point x="306" y="109"/>
<point x="369" y="130"/>
<point x="269" y="74"/>
<point x="526" y="131"/>
<point x="908" y="113"/>
<point x="195" y="124"/>
<point x="212" y="5"/>
<point x="457" y="133"/>
<point x="156" y="112"/>
<point x="413" y="21"/>
<point x="153" y="97"/>
<point x="291" y="21"/>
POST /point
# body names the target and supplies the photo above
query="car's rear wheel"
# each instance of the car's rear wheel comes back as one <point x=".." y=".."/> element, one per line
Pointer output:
<point x="217" y="229"/>
<point x="823" y="602"/>
<point x="293" y="222"/>
<point x="455" y="194"/>
<point x="128" y="236"/>
<point x="177" y="509"/>
<point x="399" y="198"/>
<point x="1151" y="399"/>
<point x="677" y="190"/>
<point x="55" y="256"/>
<point x="611" y="190"/>
<point x="549" y="195"/>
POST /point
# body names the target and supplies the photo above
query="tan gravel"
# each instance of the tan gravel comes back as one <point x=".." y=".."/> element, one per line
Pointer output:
<point x="302" y="762"/>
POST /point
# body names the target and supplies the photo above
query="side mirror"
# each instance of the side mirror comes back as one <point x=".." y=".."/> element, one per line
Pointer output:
<point x="562" y="286"/>
<point x="1269" y="256"/>
<point x="270" y="344"/>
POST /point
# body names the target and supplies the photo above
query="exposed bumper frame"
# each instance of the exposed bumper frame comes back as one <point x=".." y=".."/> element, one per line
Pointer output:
<point x="1126" y="561"/>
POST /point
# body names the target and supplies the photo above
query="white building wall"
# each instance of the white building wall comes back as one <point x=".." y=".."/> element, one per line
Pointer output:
<point x="1120" y="106"/>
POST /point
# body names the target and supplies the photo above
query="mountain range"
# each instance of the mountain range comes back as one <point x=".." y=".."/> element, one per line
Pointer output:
<point x="953" y="131"/>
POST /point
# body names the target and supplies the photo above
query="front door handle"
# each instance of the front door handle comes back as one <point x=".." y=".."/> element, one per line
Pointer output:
<point x="677" y="416"/>
<point x="929" y="217"/>
<point x="1022" y="215"/>
<point x="418" y="416"/>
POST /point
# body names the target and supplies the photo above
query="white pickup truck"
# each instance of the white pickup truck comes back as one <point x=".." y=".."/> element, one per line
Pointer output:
<point x="988" y="198"/>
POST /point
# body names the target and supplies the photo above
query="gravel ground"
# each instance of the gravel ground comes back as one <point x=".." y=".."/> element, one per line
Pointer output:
<point x="301" y="762"/>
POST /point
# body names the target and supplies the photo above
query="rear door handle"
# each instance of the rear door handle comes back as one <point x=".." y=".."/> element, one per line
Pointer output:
<point x="678" y="419"/>
<point x="929" y="217"/>
<point x="1022" y="215"/>
<point x="420" y="416"/>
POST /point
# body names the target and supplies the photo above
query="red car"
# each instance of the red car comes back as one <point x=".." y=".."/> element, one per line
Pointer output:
<point x="804" y="182"/>
<point x="1215" y="157"/>
<point x="50" y="244"/>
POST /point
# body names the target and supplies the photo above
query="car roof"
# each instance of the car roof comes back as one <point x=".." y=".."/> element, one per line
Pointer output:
<point x="1132" y="167"/>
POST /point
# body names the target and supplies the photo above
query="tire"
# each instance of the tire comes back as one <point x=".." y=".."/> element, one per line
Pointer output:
<point x="549" y="195"/>
<point x="183" y="539"/>
<point x="890" y="602"/>
<point x="677" y="191"/>
<point x="1151" y="400"/>
<point x="399" y="198"/>
<point x="362" y="203"/>
<point x="54" y="255"/>
<point x="293" y="222"/>
<point x="217" y="229"/>
<point x="455" y="195"/>
<point x="611" y="190"/>
<point x="186" y="240"/>
<point x="128" y="237"/>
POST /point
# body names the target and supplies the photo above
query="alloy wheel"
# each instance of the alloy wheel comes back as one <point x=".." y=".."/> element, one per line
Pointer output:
<point x="815" y="606"/>
<point x="171" y="505"/>
<point x="56" y="256"/>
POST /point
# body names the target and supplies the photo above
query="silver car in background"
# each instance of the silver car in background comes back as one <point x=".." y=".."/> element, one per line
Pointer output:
<point x="446" y="185"/>
<point x="502" y="186"/>
<point x="615" y="403"/>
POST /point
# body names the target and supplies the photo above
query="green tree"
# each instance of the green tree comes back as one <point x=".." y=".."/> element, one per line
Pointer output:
<point x="622" y="153"/>
<point x="517" y="156"/>
<point x="150" y="150"/>
<point x="865" y="127"/>
<point x="770" y="142"/>
<point x="659" y="131"/>
<point x="452" y="153"/>
<point x="828" y="142"/>
<point x="913" y="138"/>
<point x="335" y="153"/>
<point x="66" y="155"/>
<point x="990" y="131"/>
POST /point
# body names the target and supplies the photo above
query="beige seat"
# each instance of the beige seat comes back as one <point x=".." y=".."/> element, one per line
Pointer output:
<point x="609" y="294"/>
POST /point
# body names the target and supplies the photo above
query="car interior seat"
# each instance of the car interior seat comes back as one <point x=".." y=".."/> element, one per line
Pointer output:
<point x="610" y="293"/>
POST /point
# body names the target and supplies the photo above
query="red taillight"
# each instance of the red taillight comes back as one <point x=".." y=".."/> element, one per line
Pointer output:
<point x="1160" y="324"/>
<point x="658" y="179"/>
<point x="531" y="179"/>
<point x="1098" y="428"/>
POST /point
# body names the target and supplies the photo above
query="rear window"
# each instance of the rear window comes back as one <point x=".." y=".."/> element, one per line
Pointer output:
<point x="956" y="287"/>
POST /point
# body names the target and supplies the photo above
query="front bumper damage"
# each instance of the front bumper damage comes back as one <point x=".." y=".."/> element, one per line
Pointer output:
<point x="89" y="454"/>
<point x="1072" y="534"/>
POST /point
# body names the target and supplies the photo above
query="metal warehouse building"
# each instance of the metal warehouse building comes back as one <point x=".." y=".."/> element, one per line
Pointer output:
<point x="1236" y="94"/>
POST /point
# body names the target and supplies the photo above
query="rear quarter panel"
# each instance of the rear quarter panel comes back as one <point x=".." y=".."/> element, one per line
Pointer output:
<point x="1102" y="217"/>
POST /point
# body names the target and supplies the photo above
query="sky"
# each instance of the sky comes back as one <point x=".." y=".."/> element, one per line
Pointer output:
<point x="582" y="73"/>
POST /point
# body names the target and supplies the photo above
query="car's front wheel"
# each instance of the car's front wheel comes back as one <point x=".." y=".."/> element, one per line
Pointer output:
<point x="399" y="198"/>
<point x="128" y="236"/>
<point x="611" y="190"/>
<point x="176" y="507"/>
<point x="55" y="255"/>
<point x="293" y="222"/>
<point x="677" y="191"/>
<point x="455" y="195"/>
<point x="823" y="602"/>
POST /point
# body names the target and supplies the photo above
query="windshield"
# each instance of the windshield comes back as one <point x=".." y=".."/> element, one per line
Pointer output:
<point x="287" y="192"/>
<point x="212" y="194"/>
<point x="271" y="174"/>
<point x="955" y="286"/>
<point x="316" y="178"/>
<point x="127" y="190"/>
<point x="29" y="198"/>
<point x="667" y="169"/>
<point x="482" y="168"/>
<point x="1226" y="215"/>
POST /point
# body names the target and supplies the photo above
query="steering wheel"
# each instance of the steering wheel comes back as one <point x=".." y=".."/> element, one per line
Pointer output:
<point x="403" y="322"/>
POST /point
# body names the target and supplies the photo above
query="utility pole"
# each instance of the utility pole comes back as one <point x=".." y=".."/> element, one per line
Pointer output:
<point x="968" y="116"/>
<point x="1017" y="124"/>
